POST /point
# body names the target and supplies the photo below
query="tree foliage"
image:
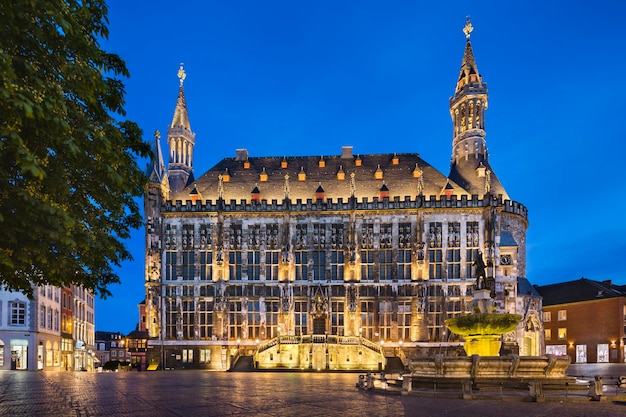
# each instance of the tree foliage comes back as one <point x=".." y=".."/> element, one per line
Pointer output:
<point x="68" y="164"/>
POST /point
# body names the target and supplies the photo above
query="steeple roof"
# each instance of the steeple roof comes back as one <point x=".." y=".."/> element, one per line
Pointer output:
<point x="181" y="118"/>
<point x="469" y="71"/>
<point x="157" y="171"/>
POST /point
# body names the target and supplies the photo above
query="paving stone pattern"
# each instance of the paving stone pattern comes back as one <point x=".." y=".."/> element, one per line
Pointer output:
<point x="279" y="394"/>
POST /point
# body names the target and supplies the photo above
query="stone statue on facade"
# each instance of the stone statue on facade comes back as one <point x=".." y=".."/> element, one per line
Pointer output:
<point x="481" y="275"/>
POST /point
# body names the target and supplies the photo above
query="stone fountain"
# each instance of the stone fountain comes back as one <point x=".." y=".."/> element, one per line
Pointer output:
<point x="483" y="365"/>
<point x="483" y="329"/>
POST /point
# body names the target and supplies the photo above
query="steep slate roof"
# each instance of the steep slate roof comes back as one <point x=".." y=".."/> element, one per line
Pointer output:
<point x="398" y="178"/>
<point x="524" y="287"/>
<point x="157" y="171"/>
<point x="465" y="175"/>
<point x="576" y="291"/>
<point x="507" y="239"/>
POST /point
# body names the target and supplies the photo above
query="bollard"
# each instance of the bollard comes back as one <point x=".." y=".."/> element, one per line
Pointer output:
<point x="595" y="388"/>
<point x="536" y="391"/>
<point x="361" y="383"/>
<point x="467" y="389"/>
<point x="407" y="385"/>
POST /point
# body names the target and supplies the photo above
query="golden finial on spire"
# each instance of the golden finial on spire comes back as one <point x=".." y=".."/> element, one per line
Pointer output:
<point x="157" y="135"/>
<point x="468" y="27"/>
<point x="181" y="74"/>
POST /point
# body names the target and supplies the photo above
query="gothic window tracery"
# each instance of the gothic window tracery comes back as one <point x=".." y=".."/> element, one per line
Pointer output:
<point x="435" y="254"/>
<point x="367" y="252"/>
<point x="454" y="250"/>
<point x="404" y="251"/>
<point x="301" y="254"/>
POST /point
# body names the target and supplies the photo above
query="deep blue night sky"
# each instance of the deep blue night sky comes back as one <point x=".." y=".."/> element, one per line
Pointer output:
<point x="306" y="78"/>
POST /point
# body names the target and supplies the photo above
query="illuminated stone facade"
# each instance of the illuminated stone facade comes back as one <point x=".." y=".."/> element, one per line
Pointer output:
<point x="263" y="252"/>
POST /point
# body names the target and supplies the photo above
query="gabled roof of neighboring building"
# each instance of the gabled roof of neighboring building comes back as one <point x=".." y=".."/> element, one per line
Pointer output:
<point x="579" y="290"/>
<point x="138" y="334"/>
<point x="106" y="336"/>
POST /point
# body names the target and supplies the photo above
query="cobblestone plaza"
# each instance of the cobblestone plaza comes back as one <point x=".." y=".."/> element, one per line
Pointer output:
<point x="202" y="393"/>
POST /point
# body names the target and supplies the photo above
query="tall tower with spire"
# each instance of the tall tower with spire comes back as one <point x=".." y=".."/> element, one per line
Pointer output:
<point x="181" y="141"/>
<point x="470" y="161"/>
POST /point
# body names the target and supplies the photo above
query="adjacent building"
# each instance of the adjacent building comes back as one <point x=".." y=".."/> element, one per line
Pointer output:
<point x="330" y="261"/>
<point x="83" y="328"/>
<point x="53" y="331"/>
<point x="585" y="320"/>
<point x="111" y="346"/>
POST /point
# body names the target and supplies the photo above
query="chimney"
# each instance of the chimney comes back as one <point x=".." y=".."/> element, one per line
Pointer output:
<point x="346" y="152"/>
<point x="241" y="155"/>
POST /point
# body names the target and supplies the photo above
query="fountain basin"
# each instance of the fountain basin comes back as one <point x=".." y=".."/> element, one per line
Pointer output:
<point x="526" y="368"/>
<point x="483" y="331"/>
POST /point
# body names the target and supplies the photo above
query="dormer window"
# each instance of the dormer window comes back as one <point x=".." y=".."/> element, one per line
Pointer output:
<point x="341" y="175"/>
<point x="358" y="161"/>
<point x="226" y="176"/>
<point x="263" y="175"/>
<point x="417" y="171"/>
<point x="255" y="195"/>
<point x="395" y="160"/>
<point x="246" y="164"/>
<point x="301" y="174"/>
<point x="319" y="193"/>
<point x="322" y="163"/>
<point x="379" y="173"/>
<point x="480" y="171"/>
<point x="384" y="191"/>
<point x="194" y="194"/>
<point x="283" y="163"/>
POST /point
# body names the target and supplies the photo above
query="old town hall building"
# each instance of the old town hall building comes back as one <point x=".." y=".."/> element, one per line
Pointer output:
<point x="335" y="262"/>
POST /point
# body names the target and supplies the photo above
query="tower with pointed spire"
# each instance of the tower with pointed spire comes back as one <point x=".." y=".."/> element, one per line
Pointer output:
<point x="181" y="141"/>
<point x="469" y="166"/>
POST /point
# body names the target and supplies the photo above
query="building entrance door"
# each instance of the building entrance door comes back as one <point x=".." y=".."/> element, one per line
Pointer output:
<point x="19" y="356"/>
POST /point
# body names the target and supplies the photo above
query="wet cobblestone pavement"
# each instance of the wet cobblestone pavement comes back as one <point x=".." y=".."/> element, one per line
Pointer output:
<point x="198" y="393"/>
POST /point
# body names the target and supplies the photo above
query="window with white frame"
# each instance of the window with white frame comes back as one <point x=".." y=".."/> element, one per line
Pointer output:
<point x="42" y="316"/>
<point x="562" y="315"/>
<point x="18" y="313"/>
<point x="603" y="352"/>
<point x="556" y="350"/>
<point x="187" y="355"/>
<point x="547" y="316"/>
<point x="205" y="356"/>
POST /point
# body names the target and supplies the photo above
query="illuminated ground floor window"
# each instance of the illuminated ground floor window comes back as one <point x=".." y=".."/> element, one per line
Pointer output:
<point x="581" y="353"/>
<point x="556" y="350"/>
